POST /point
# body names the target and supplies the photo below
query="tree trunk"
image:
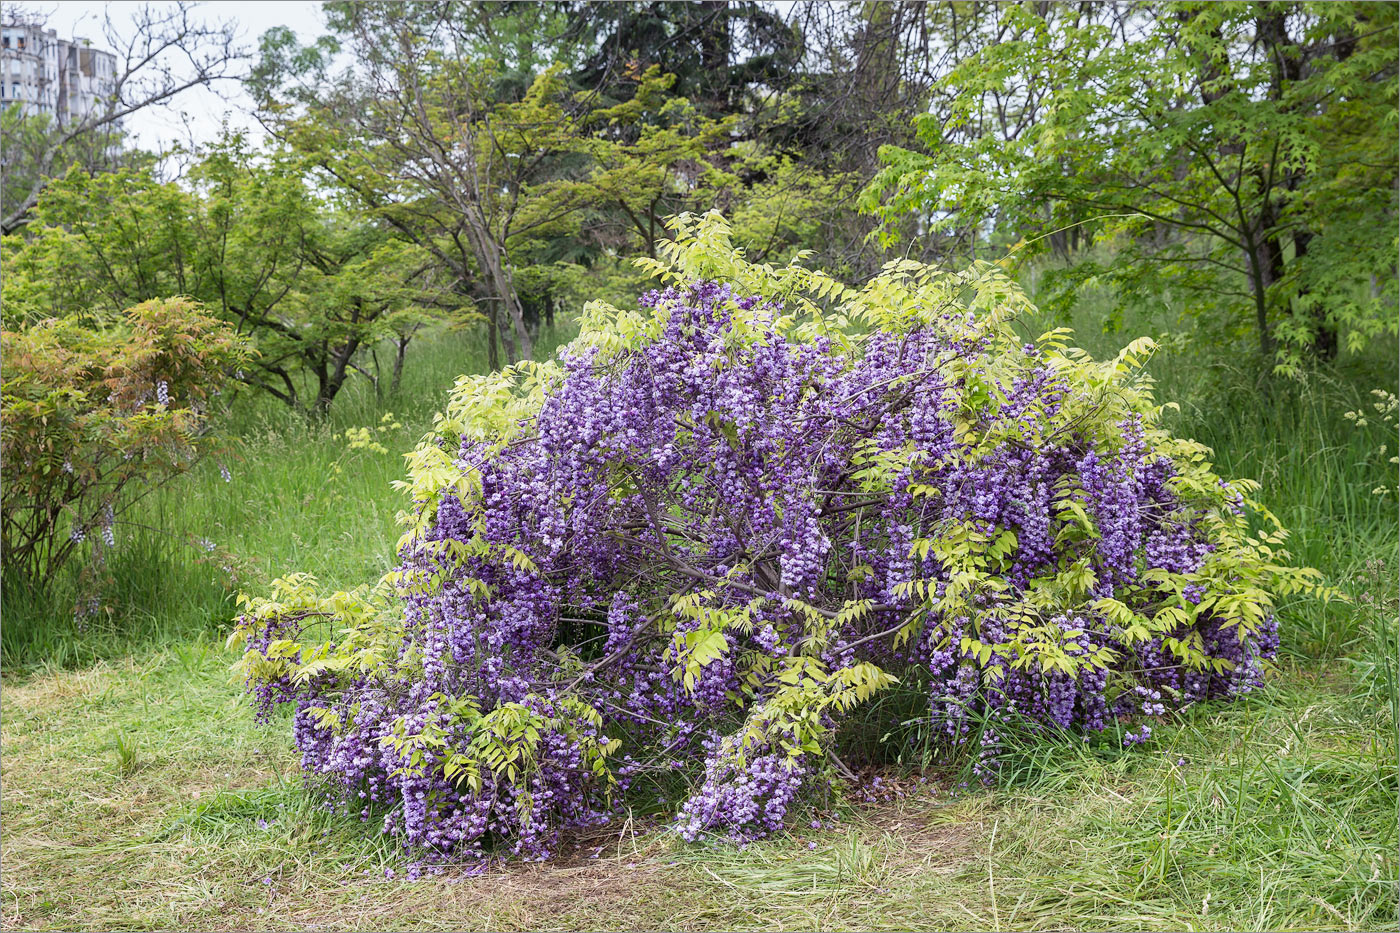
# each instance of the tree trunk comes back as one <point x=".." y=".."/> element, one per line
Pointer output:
<point x="1326" y="339"/>
<point x="322" y="382"/>
<point x="493" y="357"/>
<point x="1258" y="287"/>
<point x="329" y="384"/>
<point x="505" y="290"/>
<point x="494" y="264"/>
<point x="401" y="344"/>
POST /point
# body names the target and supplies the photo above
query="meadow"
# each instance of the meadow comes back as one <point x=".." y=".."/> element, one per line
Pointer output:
<point x="139" y="792"/>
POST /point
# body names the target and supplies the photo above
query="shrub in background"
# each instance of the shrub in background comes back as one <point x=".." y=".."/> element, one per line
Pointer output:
<point x="95" y="416"/>
<point x="715" y="526"/>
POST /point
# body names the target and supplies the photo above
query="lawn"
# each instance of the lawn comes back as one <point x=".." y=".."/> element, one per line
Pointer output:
<point x="139" y="793"/>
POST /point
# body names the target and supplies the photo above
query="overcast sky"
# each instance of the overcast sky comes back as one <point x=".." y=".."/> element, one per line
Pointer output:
<point x="198" y="113"/>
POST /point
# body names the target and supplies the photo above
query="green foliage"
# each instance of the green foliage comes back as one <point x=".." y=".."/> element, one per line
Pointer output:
<point x="1241" y="154"/>
<point x="99" y="243"/>
<point x="96" y="416"/>
<point x="34" y="147"/>
<point x="313" y="288"/>
<point x="652" y="156"/>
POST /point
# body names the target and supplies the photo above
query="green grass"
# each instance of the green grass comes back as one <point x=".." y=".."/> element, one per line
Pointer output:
<point x="139" y="793"/>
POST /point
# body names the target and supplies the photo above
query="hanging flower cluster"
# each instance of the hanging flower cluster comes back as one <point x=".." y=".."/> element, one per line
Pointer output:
<point x="719" y="524"/>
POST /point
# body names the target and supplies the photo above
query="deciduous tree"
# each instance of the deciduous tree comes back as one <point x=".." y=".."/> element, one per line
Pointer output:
<point x="1243" y="153"/>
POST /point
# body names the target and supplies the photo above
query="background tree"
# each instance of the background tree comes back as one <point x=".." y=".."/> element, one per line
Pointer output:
<point x="420" y="141"/>
<point x="725" y="57"/>
<point x="865" y="72"/>
<point x="452" y="130"/>
<point x="1225" y="150"/>
<point x="313" y="288"/>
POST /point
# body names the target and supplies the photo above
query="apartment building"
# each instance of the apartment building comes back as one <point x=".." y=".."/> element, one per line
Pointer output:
<point x="64" y="79"/>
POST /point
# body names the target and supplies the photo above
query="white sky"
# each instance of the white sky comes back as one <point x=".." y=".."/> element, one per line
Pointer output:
<point x="199" y="113"/>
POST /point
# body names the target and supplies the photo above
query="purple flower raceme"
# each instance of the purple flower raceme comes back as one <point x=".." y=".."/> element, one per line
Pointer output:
<point x="713" y="528"/>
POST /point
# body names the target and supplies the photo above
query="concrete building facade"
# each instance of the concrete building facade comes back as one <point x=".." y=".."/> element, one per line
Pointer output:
<point x="66" y="80"/>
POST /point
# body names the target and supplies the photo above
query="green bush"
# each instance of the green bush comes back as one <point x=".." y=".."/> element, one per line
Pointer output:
<point x="96" y="417"/>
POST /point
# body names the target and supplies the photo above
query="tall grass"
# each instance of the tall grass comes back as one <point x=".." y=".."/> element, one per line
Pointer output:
<point x="152" y="593"/>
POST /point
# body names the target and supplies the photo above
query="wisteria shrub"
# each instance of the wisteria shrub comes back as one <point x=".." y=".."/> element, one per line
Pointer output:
<point x="717" y="525"/>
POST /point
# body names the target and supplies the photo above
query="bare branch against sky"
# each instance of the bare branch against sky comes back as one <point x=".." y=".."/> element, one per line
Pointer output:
<point x="197" y="114"/>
